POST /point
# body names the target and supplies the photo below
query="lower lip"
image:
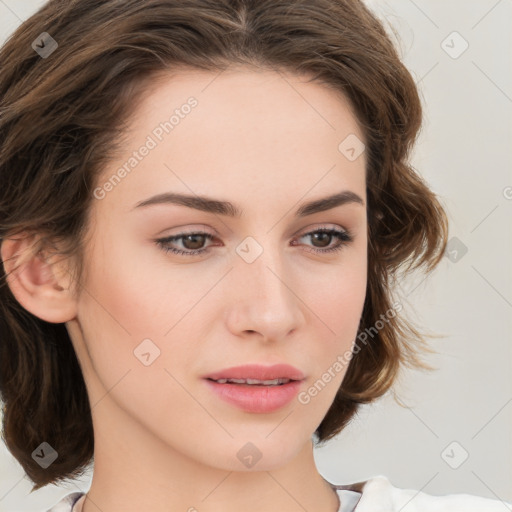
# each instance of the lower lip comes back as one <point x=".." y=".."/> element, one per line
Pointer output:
<point x="253" y="398"/>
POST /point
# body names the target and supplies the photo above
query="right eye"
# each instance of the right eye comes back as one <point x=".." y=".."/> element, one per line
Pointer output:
<point x="193" y="238"/>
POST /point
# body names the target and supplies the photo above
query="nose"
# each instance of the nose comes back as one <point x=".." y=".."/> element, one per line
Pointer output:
<point x="264" y="299"/>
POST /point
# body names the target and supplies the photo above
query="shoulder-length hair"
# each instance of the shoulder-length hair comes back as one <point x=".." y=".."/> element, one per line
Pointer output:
<point x="61" y="120"/>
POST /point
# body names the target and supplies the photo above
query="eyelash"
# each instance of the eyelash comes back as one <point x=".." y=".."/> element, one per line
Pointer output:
<point x="343" y="236"/>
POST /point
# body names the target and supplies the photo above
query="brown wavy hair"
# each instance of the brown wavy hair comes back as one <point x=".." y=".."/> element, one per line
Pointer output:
<point x="62" y="119"/>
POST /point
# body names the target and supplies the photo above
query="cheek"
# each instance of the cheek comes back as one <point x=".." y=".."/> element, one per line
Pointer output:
<point x="335" y="298"/>
<point x="115" y="309"/>
<point x="128" y="295"/>
<point x="130" y="356"/>
<point x="336" y="295"/>
<point x="132" y="308"/>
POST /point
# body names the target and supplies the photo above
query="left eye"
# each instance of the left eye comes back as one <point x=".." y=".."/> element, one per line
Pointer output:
<point x="192" y="242"/>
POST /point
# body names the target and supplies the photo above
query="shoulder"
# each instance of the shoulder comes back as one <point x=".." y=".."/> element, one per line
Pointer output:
<point x="66" y="504"/>
<point x="378" y="494"/>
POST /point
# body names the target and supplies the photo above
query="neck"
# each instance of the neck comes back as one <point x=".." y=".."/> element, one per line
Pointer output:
<point x="134" y="471"/>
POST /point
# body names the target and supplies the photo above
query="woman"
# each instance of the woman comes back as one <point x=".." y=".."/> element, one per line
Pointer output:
<point x="205" y="204"/>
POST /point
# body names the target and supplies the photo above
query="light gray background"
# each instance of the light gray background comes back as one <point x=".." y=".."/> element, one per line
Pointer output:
<point x="464" y="153"/>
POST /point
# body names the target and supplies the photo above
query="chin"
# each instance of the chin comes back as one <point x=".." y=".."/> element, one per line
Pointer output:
<point x="258" y="453"/>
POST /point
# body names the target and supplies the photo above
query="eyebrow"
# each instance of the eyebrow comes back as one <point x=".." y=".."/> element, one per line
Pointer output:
<point x="216" y="206"/>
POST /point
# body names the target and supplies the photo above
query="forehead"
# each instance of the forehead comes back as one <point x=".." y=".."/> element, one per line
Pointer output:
<point x="246" y="131"/>
<point x="262" y="98"/>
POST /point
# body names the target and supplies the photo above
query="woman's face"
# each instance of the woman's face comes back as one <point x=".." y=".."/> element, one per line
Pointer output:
<point x="153" y="324"/>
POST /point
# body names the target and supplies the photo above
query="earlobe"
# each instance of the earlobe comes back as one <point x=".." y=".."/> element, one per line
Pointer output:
<point x="32" y="279"/>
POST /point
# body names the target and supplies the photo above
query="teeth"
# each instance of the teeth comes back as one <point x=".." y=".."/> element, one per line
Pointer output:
<point x="273" y="382"/>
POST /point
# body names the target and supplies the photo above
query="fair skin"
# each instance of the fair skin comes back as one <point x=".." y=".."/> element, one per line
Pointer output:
<point x="268" y="143"/>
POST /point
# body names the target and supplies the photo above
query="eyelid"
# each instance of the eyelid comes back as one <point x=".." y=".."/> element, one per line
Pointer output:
<point x="204" y="229"/>
<point x="315" y="227"/>
<point x="343" y="235"/>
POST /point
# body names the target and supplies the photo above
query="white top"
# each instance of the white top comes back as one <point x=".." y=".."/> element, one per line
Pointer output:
<point x="376" y="494"/>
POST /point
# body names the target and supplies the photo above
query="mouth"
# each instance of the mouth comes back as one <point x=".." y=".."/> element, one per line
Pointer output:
<point x="253" y="382"/>
<point x="256" y="388"/>
<point x="257" y="374"/>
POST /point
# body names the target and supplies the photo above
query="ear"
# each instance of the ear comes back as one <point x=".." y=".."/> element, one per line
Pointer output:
<point x="39" y="284"/>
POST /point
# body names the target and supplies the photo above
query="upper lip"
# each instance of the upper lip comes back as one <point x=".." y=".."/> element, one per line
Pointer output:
<point x="258" y="372"/>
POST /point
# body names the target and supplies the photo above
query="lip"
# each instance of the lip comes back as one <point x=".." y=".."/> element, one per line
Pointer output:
<point x="257" y="398"/>
<point x="258" y="371"/>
